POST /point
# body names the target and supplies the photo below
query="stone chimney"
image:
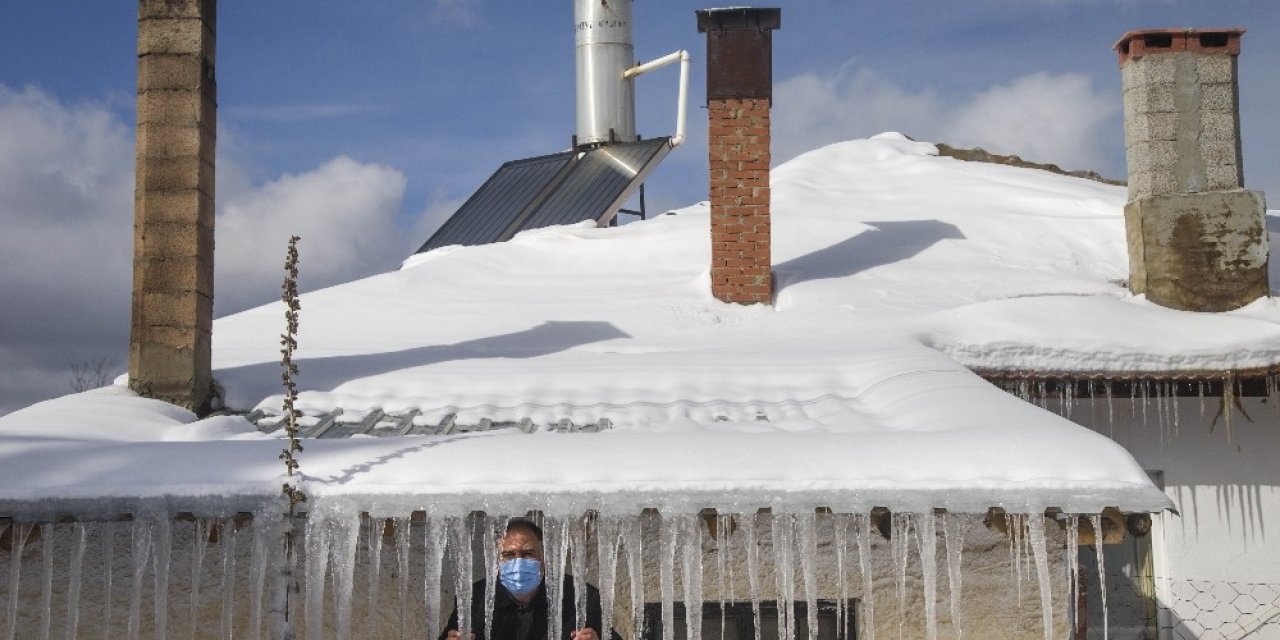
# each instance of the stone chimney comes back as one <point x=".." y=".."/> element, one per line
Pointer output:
<point x="1197" y="239"/>
<point x="739" y="94"/>
<point x="169" y="355"/>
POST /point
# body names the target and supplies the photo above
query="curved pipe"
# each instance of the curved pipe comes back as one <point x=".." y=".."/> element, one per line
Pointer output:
<point x="682" y="99"/>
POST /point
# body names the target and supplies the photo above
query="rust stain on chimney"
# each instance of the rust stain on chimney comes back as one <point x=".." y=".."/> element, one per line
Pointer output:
<point x="172" y="318"/>
<point x="739" y="95"/>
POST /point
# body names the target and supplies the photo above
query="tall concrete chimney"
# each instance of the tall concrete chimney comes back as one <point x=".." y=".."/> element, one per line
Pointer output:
<point x="1197" y="238"/>
<point x="739" y="95"/>
<point x="169" y="354"/>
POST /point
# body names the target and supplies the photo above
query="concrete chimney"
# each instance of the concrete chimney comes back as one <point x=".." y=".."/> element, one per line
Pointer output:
<point x="169" y="347"/>
<point x="739" y="95"/>
<point x="1197" y="238"/>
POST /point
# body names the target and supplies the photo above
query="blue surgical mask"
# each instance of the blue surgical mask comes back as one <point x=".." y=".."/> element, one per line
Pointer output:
<point x="521" y="576"/>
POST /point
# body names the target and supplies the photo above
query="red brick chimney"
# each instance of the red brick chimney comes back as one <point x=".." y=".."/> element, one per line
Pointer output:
<point x="739" y="94"/>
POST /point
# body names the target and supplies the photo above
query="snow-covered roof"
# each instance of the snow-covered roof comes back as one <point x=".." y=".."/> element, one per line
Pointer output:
<point x="897" y="271"/>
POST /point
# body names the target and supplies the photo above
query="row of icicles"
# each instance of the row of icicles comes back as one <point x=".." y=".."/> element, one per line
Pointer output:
<point x="224" y="577"/>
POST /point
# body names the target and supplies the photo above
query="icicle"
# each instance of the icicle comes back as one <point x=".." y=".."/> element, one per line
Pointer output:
<point x="80" y="538"/>
<point x="373" y="558"/>
<point x="1096" y="521"/>
<point x="953" y="536"/>
<point x="840" y="537"/>
<point x="490" y="540"/>
<point x="141" y="556"/>
<point x="319" y="538"/>
<point x="1073" y="567"/>
<point x="1200" y="392"/>
<point x="784" y="572"/>
<point x="753" y="567"/>
<point x="607" y="559"/>
<point x="927" y="529"/>
<point x="199" y="545"/>
<point x="46" y="590"/>
<point x="403" y="527"/>
<point x="555" y="552"/>
<point x="1013" y="525"/>
<point x="1160" y="422"/>
<point x="1111" y="413"/>
<point x="460" y="544"/>
<point x="108" y="553"/>
<point x="433" y="552"/>
<point x="633" y="531"/>
<point x="807" y="534"/>
<point x="577" y="529"/>
<point x="691" y="534"/>
<point x="19" y="533"/>
<point x="258" y="568"/>
<point x="345" y="529"/>
<point x="669" y="534"/>
<point x="163" y="539"/>
<point x="900" y="527"/>
<point x="722" y="552"/>
<point x="227" y="539"/>
<point x="1035" y="530"/>
<point x="1228" y="400"/>
<point x="862" y="528"/>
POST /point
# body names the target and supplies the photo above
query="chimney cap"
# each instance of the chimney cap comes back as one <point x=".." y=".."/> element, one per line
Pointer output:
<point x="739" y="19"/>
<point x="1140" y="42"/>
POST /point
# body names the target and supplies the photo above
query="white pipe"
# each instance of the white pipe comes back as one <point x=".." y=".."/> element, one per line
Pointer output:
<point x="682" y="99"/>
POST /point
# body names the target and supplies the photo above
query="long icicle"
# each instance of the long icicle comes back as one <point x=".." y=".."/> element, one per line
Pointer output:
<point x="691" y="533"/>
<point x="373" y="559"/>
<point x="926" y="528"/>
<point x="108" y="588"/>
<point x="345" y="527"/>
<point x="228" y="540"/>
<point x="607" y="561"/>
<point x="634" y="531"/>
<point x="669" y="536"/>
<point x="141" y="556"/>
<point x="163" y="553"/>
<point x="807" y="539"/>
<point x="19" y="533"/>
<point x="578" y="560"/>
<point x="1036" y="536"/>
<point x="751" y="520"/>
<point x="46" y="590"/>
<point x="80" y="538"/>
<point x="404" y="543"/>
<point x="493" y="530"/>
<point x="318" y="539"/>
<point x="784" y="572"/>
<point x="460" y="544"/>
<point x="1096" y="521"/>
<point x="953" y="536"/>
<point x="433" y="552"/>
<point x="199" y="546"/>
<point x="1073" y="569"/>
<point x="840" y="537"/>
<point x="863" y="532"/>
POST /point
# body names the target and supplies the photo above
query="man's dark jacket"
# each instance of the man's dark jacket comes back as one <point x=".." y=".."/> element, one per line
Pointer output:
<point x="507" y="613"/>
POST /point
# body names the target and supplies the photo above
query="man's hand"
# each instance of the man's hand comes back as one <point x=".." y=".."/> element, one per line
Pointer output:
<point x="585" y="633"/>
<point x="454" y="635"/>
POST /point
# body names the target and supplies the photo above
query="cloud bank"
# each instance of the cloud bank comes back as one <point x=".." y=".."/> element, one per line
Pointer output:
<point x="1044" y="117"/>
<point x="66" y="207"/>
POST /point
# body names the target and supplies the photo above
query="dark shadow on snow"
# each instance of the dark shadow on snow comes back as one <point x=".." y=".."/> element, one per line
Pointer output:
<point x="884" y="243"/>
<point x="322" y="374"/>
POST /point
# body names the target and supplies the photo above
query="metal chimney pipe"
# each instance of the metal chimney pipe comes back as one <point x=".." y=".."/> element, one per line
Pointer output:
<point x="604" y="51"/>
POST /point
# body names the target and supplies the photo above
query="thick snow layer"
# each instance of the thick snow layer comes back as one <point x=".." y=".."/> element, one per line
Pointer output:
<point x="896" y="271"/>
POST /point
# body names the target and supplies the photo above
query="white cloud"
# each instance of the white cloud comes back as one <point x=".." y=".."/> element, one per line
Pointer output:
<point x="1041" y="116"/>
<point x="66" y="207"/>
<point x="345" y="213"/>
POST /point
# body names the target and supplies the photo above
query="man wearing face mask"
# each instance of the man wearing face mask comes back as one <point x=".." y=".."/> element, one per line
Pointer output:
<point x="520" y="599"/>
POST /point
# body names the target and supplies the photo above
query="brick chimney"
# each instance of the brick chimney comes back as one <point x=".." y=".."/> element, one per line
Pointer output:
<point x="1197" y="239"/>
<point x="739" y="94"/>
<point x="169" y="346"/>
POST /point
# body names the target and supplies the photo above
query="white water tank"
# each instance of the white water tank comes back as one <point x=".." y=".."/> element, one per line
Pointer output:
<point x="604" y="50"/>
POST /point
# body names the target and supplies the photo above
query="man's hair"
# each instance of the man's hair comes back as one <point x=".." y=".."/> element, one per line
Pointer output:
<point x="525" y="524"/>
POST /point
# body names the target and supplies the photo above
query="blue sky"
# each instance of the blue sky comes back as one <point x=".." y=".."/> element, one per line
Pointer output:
<point x="361" y="125"/>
